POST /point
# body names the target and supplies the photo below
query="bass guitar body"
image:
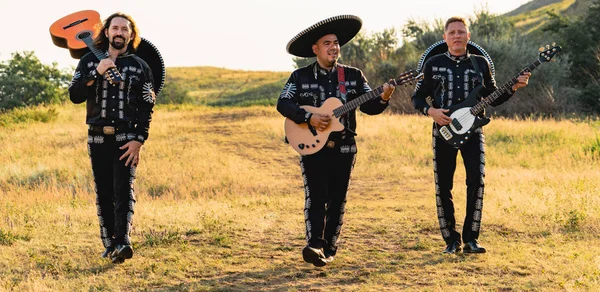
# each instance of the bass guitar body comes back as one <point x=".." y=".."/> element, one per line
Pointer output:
<point x="464" y="123"/>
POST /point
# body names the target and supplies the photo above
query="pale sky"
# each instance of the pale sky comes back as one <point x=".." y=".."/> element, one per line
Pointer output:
<point x="233" y="34"/>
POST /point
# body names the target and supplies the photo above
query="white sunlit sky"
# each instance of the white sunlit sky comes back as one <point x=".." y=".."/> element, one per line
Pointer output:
<point x="233" y="34"/>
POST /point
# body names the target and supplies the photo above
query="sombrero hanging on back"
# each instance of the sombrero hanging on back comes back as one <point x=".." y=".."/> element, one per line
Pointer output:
<point x="441" y="47"/>
<point x="345" y="27"/>
<point x="76" y="32"/>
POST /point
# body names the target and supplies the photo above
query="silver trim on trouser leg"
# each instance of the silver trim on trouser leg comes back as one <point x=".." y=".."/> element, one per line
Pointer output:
<point x="307" y="201"/>
<point x="438" y="200"/>
<point x="131" y="204"/>
<point x="338" y="228"/>
<point x="479" y="203"/>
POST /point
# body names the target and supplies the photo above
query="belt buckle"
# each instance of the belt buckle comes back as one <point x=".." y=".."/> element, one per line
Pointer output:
<point x="330" y="144"/>
<point x="108" y="130"/>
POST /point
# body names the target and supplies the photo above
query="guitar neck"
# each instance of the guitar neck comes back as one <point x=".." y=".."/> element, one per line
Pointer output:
<point x="90" y="44"/>
<point x="480" y="106"/>
<point x="353" y="104"/>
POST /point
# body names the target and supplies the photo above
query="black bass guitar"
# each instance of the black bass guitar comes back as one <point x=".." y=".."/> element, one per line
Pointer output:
<point x="465" y="119"/>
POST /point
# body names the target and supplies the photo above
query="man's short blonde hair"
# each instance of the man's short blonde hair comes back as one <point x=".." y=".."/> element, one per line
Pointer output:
<point x="456" y="19"/>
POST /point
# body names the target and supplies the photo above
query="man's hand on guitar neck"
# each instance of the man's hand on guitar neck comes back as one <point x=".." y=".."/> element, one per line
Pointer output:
<point x="522" y="81"/>
<point x="319" y="121"/>
<point x="388" y="89"/>
<point x="439" y="116"/>
<point x="104" y="65"/>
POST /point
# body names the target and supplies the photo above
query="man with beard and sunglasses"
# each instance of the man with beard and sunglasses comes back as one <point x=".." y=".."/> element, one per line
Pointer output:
<point x="327" y="172"/>
<point x="118" y="118"/>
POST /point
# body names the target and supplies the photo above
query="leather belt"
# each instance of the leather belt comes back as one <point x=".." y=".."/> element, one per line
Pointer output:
<point x="110" y="130"/>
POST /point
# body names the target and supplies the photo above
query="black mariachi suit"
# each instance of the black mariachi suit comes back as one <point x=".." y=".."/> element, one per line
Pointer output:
<point x="128" y="107"/>
<point x="326" y="173"/>
<point x="448" y="80"/>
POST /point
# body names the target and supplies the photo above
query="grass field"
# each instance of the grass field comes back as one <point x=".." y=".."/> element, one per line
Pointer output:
<point x="220" y="200"/>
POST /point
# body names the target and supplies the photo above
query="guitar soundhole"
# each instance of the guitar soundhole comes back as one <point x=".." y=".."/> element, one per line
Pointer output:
<point x="84" y="34"/>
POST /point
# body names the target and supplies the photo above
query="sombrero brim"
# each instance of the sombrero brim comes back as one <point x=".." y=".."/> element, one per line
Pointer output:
<point x="441" y="47"/>
<point x="149" y="53"/>
<point x="345" y="27"/>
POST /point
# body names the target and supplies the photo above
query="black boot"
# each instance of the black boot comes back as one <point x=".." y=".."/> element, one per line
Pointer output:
<point x="121" y="253"/>
<point x="452" y="248"/>
<point x="109" y="250"/>
<point x="473" y="247"/>
<point x="314" y="256"/>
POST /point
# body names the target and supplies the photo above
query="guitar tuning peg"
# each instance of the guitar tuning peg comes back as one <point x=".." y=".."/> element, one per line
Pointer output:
<point x="554" y="44"/>
<point x="541" y="49"/>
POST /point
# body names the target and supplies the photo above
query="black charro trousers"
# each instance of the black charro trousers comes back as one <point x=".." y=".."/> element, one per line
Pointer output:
<point x="115" y="199"/>
<point x="326" y="177"/>
<point x="444" y="163"/>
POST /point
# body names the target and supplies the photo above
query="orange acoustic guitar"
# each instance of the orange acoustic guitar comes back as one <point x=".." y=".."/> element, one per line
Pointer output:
<point x="76" y="32"/>
<point x="306" y="139"/>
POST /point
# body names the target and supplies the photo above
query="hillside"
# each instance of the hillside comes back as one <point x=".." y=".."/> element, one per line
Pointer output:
<point x="533" y="15"/>
<point x="218" y="87"/>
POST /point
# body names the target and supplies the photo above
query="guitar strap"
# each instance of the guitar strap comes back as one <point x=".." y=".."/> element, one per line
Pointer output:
<point x="475" y="66"/>
<point x="342" y="85"/>
<point x="342" y="82"/>
<point x="478" y="74"/>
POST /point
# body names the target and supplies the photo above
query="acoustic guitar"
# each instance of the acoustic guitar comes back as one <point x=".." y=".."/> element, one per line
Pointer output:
<point x="76" y="32"/>
<point x="306" y="139"/>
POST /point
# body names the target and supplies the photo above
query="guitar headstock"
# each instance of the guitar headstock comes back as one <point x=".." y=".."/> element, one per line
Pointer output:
<point x="407" y="77"/>
<point x="548" y="52"/>
<point x="113" y="76"/>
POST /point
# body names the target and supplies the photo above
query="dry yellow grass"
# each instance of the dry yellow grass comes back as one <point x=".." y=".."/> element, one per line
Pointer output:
<point x="220" y="204"/>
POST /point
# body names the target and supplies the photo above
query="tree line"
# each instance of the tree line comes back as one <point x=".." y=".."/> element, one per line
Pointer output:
<point x="569" y="85"/>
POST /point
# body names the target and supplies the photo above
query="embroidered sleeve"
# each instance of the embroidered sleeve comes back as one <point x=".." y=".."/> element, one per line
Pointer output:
<point x="145" y="105"/>
<point x="423" y="90"/>
<point x="287" y="104"/>
<point x="373" y="106"/>
<point x="80" y="88"/>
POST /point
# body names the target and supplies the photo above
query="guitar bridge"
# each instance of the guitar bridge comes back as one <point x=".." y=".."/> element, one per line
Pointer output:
<point x="446" y="133"/>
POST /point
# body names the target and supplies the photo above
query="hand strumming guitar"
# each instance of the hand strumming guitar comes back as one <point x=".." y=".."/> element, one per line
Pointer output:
<point x="319" y="121"/>
<point x="439" y="116"/>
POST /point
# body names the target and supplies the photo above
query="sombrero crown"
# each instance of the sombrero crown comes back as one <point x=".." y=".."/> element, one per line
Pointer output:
<point x="441" y="47"/>
<point x="345" y="27"/>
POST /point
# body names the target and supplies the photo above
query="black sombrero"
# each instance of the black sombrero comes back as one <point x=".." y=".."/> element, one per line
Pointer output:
<point x="345" y="27"/>
<point x="149" y="53"/>
<point x="441" y="47"/>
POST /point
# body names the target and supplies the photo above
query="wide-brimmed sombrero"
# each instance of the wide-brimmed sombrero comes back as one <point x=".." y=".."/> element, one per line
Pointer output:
<point x="441" y="47"/>
<point x="345" y="27"/>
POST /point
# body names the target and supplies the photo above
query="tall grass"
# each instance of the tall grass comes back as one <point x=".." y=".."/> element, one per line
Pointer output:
<point x="220" y="199"/>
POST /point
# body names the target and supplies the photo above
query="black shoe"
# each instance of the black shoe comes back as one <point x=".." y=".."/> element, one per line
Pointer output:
<point x="121" y="253"/>
<point x="452" y="248"/>
<point x="473" y="247"/>
<point x="328" y="257"/>
<point x="109" y="250"/>
<point x="314" y="256"/>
